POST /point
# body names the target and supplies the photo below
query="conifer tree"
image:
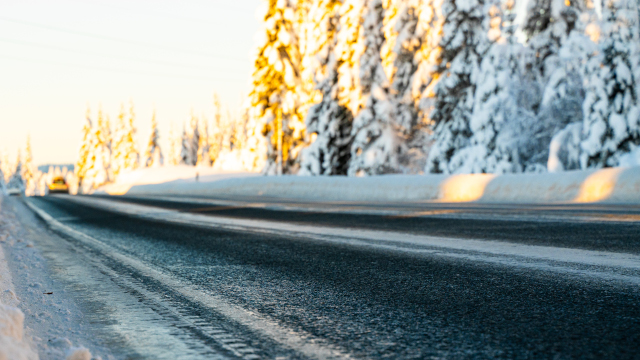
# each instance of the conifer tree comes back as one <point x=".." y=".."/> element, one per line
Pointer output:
<point x="99" y="173"/>
<point x="153" y="155"/>
<point x="612" y="105"/>
<point x="5" y="166"/>
<point x="28" y="170"/>
<point x="329" y="121"/>
<point x="349" y="48"/>
<point x="376" y="145"/>
<point x="216" y="134"/>
<point x="16" y="181"/>
<point x="3" y="185"/>
<point x="175" y="143"/>
<point x="494" y="105"/>
<point x="84" y="162"/>
<point x="132" y="158"/>
<point x="185" y="148"/>
<point x="275" y="96"/>
<point x="194" y="139"/>
<point x="125" y="155"/>
<point x="204" y="147"/>
<point x="412" y="29"/>
<point x="463" y="45"/>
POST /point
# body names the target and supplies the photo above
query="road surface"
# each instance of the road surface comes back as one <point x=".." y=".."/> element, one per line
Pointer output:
<point x="229" y="279"/>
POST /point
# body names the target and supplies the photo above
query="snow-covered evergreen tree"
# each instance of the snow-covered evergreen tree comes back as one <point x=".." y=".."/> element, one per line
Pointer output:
<point x="463" y="44"/>
<point x="612" y="105"/>
<point x="99" y="172"/>
<point x="276" y="91"/>
<point x="85" y="159"/>
<point x="6" y="167"/>
<point x="412" y="29"/>
<point x="132" y="158"/>
<point x="3" y="185"/>
<point x="497" y="119"/>
<point x="153" y="155"/>
<point x="428" y="56"/>
<point x="186" y="156"/>
<point x="377" y="145"/>
<point x="175" y="143"/>
<point x="204" y="159"/>
<point x="125" y="154"/>
<point x="327" y="121"/>
<point x="29" y="171"/>
<point x="216" y="133"/>
<point x="194" y="139"/>
<point x="16" y="181"/>
<point x="349" y="48"/>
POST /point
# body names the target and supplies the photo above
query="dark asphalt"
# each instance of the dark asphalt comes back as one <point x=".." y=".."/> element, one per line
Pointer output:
<point x="381" y="304"/>
<point x="595" y="235"/>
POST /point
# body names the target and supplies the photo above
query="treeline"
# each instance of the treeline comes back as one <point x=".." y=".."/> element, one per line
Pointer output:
<point x="364" y="87"/>
<point x="108" y="151"/>
<point x="22" y="176"/>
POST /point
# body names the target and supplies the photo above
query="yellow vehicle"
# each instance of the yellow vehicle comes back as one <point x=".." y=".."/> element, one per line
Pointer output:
<point x="58" y="185"/>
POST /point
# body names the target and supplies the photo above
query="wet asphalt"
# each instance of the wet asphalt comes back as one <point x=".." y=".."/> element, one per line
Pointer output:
<point x="376" y="303"/>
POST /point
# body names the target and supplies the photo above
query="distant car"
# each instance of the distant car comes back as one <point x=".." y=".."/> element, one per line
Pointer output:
<point x="58" y="185"/>
<point x="13" y="192"/>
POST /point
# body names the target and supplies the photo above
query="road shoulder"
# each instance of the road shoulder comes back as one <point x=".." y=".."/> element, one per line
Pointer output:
<point x="53" y="323"/>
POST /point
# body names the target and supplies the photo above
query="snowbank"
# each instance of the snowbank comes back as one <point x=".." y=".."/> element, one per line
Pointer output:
<point x="615" y="185"/>
<point x="168" y="174"/>
<point x="12" y="343"/>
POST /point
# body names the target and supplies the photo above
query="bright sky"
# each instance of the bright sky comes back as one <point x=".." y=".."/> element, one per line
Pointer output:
<point x="57" y="57"/>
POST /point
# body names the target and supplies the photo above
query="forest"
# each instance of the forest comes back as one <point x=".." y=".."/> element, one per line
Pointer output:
<point x="371" y="87"/>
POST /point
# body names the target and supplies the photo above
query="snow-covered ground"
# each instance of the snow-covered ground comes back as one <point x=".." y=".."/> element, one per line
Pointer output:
<point x="13" y="343"/>
<point x="612" y="185"/>
<point x="181" y="175"/>
<point x="38" y="317"/>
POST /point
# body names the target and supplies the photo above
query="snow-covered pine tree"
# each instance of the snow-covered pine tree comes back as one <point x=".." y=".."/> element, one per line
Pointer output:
<point x="185" y="148"/>
<point x="153" y="154"/>
<point x="16" y="181"/>
<point x="216" y="133"/>
<point x="29" y="171"/>
<point x="376" y="147"/>
<point x="428" y="57"/>
<point x="410" y="26"/>
<point x="3" y="185"/>
<point x="327" y="121"/>
<point x="253" y="153"/>
<point x="118" y="151"/>
<point x="276" y="92"/>
<point x="194" y="139"/>
<point x="174" y="146"/>
<point x="463" y="45"/>
<point x="5" y="166"/>
<point x="612" y="105"/>
<point x="108" y="144"/>
<point x="132" y="157"/>
<point x="85" y="159"/>
<point x="348" y="50"/>
<point x="204" y="145"/>
<point x="493" y="146"/>
<point x="125" y="156"/>
<point x="99" y="157"/>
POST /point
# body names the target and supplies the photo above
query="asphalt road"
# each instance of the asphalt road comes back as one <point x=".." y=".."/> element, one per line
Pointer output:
<point x="365" y="302"/>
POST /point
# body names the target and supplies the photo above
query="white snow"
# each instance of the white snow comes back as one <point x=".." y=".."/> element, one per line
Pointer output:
<point x="180" y="175"/>
<point x="13" y="344"/>
<point x="616" y="185"/>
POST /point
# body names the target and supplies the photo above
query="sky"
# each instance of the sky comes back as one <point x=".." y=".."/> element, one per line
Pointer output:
<point x="59" y="57"/>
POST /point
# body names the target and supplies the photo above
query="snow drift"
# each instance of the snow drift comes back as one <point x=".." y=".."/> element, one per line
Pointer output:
<point x="614" y="185"/>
